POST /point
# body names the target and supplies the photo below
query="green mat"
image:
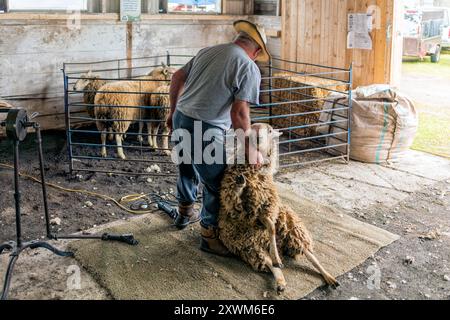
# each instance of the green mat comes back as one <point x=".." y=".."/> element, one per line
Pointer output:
<point x="168" y="265"/>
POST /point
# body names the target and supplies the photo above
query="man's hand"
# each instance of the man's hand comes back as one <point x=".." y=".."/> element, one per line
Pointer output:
<point x="240" y="117"/>
<point x="254" y="157"/>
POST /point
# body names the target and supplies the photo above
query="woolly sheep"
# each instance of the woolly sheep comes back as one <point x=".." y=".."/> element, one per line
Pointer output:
<point x="255" y="225"/>
<point x="160" y="99"/>
<point x="90" y="84"/>
<point x="112" y="104"/>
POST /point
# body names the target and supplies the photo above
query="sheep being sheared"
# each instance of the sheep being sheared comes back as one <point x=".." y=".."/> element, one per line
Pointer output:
<point x="124" y="107"/>
<point x="254" y="224"/>
<point x="158" y="117"/>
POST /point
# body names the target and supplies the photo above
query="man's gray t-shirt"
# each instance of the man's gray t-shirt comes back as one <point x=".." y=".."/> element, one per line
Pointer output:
<point x="217" y="77"/>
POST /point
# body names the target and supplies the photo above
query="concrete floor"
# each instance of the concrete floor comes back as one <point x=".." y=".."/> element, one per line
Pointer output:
<point x="410" y="198"/>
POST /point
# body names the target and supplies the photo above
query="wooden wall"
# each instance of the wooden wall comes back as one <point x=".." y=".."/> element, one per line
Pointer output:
<point x="315" y="31"/>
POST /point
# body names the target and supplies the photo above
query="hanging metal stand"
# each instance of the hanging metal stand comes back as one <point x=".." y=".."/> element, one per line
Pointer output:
<point x="17" y="124"/>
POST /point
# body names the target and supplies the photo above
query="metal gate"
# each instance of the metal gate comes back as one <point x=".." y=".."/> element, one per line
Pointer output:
<point x="309" y="103"/>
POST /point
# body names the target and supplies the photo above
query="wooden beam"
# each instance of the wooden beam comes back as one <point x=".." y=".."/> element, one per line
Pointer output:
<point x="274" y="33"/>
<point x="115" y="16"/>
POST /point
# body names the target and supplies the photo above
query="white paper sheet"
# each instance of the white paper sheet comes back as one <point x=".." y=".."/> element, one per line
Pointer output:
<point x="359" y="26"/>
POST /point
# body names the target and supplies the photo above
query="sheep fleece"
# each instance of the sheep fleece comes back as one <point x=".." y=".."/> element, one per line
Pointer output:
<point x="160" y="98"/>
<point x="90" y="91"/>
<point x="240" y="226"/>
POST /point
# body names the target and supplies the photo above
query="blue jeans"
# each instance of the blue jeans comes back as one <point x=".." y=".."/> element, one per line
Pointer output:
<point x="210" y="175"/>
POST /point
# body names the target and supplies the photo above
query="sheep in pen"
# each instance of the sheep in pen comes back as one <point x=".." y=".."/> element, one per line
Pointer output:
<point x="115" y="106"/>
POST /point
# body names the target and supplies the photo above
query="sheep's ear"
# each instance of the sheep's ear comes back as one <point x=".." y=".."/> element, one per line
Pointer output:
<point x="164" y="65"/>
<point x="89" y="73"/>
<point x="277" y="133"/>
<point x="165" y="71"/>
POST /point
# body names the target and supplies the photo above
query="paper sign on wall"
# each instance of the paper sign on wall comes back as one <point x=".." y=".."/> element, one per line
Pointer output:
<point x="359" y="28"/>
<point x="130" y="10"/>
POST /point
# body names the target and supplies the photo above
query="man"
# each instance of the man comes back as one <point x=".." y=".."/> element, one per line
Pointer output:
<point x="215" y="89"/>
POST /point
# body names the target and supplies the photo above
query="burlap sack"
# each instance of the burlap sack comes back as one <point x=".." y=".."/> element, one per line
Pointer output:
<point x="384" y="123"/>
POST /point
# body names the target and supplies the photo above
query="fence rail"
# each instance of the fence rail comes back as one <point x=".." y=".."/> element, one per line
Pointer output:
<point x="299" y="99"/>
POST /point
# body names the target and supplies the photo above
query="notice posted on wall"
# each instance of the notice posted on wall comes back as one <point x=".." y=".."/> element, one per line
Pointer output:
<point x="359" y="28"/>
<point x="130" y="10"/>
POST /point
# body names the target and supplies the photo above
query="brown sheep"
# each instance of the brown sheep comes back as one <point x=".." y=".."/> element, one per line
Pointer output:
<point x="114" y="105"/>
<point x="254" y="224"/>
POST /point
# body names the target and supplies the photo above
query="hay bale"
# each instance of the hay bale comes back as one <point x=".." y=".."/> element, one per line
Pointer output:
<point x="320" y="89"/>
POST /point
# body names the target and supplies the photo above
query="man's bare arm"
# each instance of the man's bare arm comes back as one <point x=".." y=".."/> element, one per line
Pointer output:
<point x="240" y="118"/>
<point x="176" y="89"/>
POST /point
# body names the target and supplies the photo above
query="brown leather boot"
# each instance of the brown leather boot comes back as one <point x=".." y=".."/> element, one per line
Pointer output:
<point x="211" y="243"/>
<point x="186" y="215"/>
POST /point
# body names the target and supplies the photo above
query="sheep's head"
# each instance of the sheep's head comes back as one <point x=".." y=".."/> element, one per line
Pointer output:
<point x="81" y="84"/>
<point x="265" y="138"/>
<point x="163" y="73"/>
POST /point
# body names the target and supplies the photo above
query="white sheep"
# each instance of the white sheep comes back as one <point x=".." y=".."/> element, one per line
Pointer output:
<point x="120" y="102"/>
<point x="254" y="224"/>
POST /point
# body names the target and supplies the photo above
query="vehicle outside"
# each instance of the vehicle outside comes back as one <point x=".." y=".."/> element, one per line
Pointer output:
<point x="446" y="33"/>
<point x="196" y="6"/>
<point x="423" y="32"/>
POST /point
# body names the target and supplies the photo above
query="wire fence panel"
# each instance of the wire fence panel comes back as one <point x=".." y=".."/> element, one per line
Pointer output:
<point x="311" y="105"/>
<point x="115" y="113"/>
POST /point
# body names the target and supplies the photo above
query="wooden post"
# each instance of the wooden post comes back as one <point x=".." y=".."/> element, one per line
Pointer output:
<point x="151" y="6"/>
<point x="4" y="5"/>
<point x="249" y="7"/>
<point x="163" y="6"/>
<point x="129" y="49"/>
<point x="397" y="44"/>
<point x="279" y="8"/>
<point x="224" y="7"/>
<point x="104" y="8"/>
<point x="94" y="6"/>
